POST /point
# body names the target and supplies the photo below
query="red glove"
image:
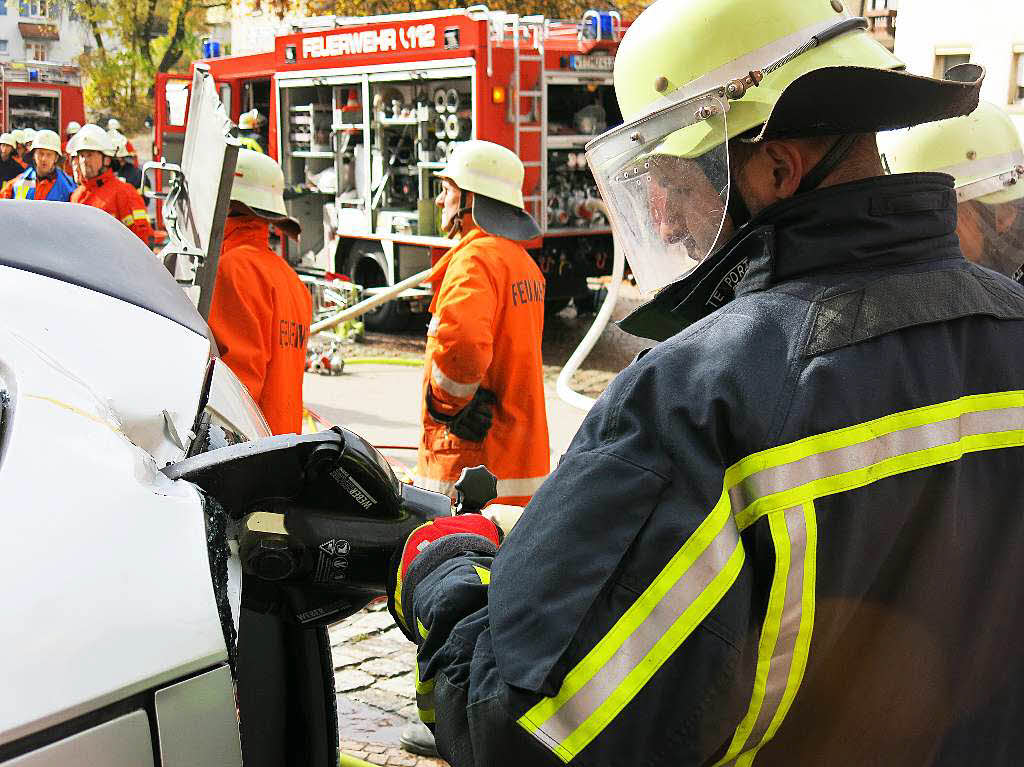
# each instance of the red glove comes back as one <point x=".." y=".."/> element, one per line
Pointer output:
<point x="429" y="546"/>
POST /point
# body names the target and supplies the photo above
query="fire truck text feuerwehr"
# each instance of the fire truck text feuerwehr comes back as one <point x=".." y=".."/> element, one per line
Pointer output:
<point x="370" y="41"/>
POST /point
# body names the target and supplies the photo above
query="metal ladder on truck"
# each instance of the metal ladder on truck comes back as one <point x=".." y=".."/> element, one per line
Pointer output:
<point x="531" y="31"/>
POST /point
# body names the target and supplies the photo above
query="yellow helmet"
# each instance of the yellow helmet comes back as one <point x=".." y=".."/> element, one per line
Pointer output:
<point x="692" y="74"/>
<point x="982" y="151"/>
<point x="494" y="174"/>
<point x="259" y="187"/>
<point x="47" y="139"/>
<point x="91" y="138"/>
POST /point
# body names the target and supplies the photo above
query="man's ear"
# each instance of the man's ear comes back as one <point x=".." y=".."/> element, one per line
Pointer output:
<point x="785" y="166"/>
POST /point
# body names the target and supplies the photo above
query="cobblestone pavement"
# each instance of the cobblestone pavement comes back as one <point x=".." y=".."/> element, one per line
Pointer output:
<point x="373" y="673"/>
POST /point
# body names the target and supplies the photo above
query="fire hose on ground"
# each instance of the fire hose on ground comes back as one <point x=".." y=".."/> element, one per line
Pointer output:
<point x="563" y="389"/>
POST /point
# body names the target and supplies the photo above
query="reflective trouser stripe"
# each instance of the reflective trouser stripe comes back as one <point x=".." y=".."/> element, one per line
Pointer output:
<point x="680" y="597"/>
<point x="450" y="385"/>
<point x="507" y="488"/>
<point x="425" y="705"/>
<point x="786" y="635"/>
<point x="483" y="573"/>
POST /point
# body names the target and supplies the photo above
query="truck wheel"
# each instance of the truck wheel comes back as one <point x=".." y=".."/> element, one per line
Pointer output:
<point x="393" y="315"/>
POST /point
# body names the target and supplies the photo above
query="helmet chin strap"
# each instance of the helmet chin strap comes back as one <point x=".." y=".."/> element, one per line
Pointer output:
<point x="455" y="225"/>
<point x="737" y="207"/>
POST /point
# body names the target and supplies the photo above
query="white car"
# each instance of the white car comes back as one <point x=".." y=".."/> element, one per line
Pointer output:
<point x="138" y="481"/>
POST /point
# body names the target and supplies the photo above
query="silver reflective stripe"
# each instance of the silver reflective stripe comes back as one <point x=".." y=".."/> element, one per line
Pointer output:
<point x="432" y="327"/>
<point x="443" y="486"/>
<point x="519" y="487"/>
<point x="741" y="67"/>
<point x="784" y="654"/>
<point x="450" y="385"/>
<point x="986" y="166"/>
<point x="864" y="454"/>
<point x="639" y="644"/>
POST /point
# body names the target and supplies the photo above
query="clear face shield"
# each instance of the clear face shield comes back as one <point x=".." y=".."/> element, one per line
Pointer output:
<point x="990" y="222"/>
<point x="665" y="180"/>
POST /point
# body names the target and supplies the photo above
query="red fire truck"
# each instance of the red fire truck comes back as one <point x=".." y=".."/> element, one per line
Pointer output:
<point x="40" y="95"/>
<point x="363" y="111"/>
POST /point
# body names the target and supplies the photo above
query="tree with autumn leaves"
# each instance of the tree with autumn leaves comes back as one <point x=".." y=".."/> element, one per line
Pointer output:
<point x="133" y="40"/>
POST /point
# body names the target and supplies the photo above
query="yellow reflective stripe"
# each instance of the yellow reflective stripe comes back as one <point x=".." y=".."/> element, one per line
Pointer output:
<point x="841" y="460"/>
<point x="483" y="573"/>
<point x="802" y="646"/>
<point x="421" y="628"/>
<point x="425" y="706"/>
<point x="398" y="581"/>
<point x="769" y="636"/>
<point x="639" y="643"/>
<point x="128" y="220"/>
<point x="423" y="688"/>
<point x="140" y="215"/>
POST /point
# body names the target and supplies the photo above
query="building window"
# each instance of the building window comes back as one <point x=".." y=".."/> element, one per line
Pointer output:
<point x="34" y="9"/>
<point x="946" y="60"/>
<point x="35" y="51"/>
<point x="3" y="47"/>
<point x="1017" y="78"/>
<point x="3" y="7"/>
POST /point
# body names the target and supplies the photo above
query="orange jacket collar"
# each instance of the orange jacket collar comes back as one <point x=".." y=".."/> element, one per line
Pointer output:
<point x="437" y="271"/>
<point x="92" y="184"/>
<point x="246" y="230"/>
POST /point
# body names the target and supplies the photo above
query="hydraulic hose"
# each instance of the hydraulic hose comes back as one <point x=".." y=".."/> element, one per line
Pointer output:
<point x="370" y="303"/>
<point x="564" y="390"/>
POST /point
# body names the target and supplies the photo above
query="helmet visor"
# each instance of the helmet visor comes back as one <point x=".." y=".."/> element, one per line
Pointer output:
<point x="992" y="234"/>
<point x="665" y="180"/>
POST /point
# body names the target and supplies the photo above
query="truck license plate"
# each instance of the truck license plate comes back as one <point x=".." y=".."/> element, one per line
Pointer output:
<point x="592" y="62"/>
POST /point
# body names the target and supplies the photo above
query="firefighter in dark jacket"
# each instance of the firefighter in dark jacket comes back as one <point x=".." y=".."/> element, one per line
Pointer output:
<point x="9" y="165"/>
<point x="790" y="534"/>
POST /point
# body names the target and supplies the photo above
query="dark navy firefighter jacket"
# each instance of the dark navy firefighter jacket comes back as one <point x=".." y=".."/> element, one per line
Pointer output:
<point x="791" y="534"/>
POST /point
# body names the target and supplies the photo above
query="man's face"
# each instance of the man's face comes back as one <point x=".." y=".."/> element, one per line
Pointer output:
<point x="45" y="161"/>
<point x="91" y="163"/>
<point x="685" y="207"/>
<point x="6" y="150"/>
<point x="449" y="201"/>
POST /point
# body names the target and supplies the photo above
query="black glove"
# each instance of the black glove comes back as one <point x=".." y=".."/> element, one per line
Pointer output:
<point x="473" y="421"/>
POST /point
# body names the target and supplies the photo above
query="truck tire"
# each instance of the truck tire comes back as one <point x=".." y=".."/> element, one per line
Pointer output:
<point x="366" y="271"/>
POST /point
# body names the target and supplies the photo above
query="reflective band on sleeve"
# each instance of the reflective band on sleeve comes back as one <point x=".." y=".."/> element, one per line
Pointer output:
<point x="680" y="597"/>
<point x="786" y="636"/>
<point x="507" y="488"/>
<point x="840" y="460"/>
<point x="510" y="488"/>
<point x="421" y="628"/>
<point x="483" y="573"/>
<point x="140" y="215"/>
<point x="450" y="385"/>
<point x="785" y="479"/>
<point x="443" y="486"/>
<point x="128" y="220"/>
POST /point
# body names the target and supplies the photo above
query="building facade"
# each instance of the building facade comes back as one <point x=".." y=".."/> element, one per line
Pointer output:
<point x="41" y="30"/>
<point x="933" y="35"/>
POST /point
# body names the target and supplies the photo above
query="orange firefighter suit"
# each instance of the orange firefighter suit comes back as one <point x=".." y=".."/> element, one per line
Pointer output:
<point x="119" y="199"/>
<point x="488" y="318"/>
<point x="260" y="318"/>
